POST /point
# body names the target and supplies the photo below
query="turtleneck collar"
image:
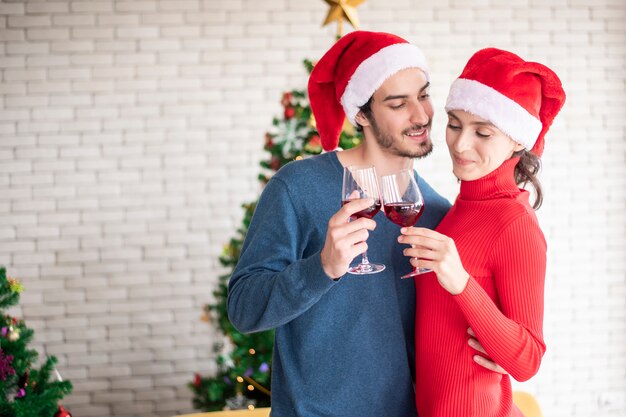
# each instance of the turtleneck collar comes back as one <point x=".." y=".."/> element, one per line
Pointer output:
<point x="498" y="183"/>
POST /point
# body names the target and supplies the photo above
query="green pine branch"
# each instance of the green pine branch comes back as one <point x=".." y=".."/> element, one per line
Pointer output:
<point x="29" y="390"/>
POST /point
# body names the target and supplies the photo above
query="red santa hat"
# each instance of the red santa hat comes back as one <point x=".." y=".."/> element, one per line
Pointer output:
<point x="351" y="71"/>
<point x="520" y="98"/>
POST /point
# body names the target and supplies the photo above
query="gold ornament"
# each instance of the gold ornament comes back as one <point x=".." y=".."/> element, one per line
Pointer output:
<point x="205" y="317"/>
<point x="15" y="285"/>
<point x="13" y="334"/>
<point x="341" y="10"/>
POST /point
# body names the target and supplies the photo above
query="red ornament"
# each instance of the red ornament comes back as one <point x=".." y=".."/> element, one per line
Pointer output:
<point x="197" y="381"/>
<point x="275" y="163"/>
<point x="315" y="141"/>
<point x="286" y="100"/>
<point x="62" y="412"/>
<point x="289" y="112"/>
<point x="269" y="143"/>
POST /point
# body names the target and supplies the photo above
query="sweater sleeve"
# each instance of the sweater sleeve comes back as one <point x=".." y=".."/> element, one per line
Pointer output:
<point x="512" y="333"/>
<point x="272" y="284"/>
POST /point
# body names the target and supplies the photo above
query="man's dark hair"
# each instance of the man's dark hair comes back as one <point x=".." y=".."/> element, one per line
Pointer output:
<point x="367" y="112"/>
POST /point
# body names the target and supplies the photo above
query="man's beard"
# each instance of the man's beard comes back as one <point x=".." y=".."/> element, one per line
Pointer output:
<point x="388" y="142"/>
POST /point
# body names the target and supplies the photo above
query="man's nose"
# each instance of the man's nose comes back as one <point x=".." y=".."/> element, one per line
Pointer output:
<point x="419" y="114"/>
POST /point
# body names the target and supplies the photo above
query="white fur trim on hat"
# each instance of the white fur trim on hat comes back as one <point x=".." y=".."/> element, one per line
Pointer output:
<point x="373" y="72"/>
<point x="487" y="103"/>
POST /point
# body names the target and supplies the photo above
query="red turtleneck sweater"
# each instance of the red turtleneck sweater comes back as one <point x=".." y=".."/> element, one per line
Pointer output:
<point x="504" y="251"/>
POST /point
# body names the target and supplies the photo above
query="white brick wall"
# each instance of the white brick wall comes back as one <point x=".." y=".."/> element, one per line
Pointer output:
<point x="131" y="131"/>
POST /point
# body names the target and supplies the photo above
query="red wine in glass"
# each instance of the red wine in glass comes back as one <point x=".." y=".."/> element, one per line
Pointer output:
<point x="404" y="214"/>
<point x="368" y="212"/>
<point x="362" y="182"/>
<point x="403" y="203"/>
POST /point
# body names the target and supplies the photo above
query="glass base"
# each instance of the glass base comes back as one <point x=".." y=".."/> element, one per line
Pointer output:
<point x="416" y="272"/>
<point x="363" y="269"/>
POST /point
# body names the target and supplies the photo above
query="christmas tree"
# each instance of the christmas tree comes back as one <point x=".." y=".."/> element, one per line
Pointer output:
<point x="243" y="379"/>
<point x="25" y="390"/>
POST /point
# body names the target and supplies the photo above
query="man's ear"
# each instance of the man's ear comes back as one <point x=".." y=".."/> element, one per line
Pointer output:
<point x="361" y="119"/>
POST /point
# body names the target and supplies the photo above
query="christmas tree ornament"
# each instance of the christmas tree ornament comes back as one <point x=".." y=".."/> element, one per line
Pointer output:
<point x="13" y="334"/>
<point x="6" y="367"/>
<point x="205" y="317"/>
<point x="268" y="142"/>
<point x="341" y="10"/>
<point x="314" y="146"/>
<point x="286" y="100"/>
<point x="15" y="286"/>
<point x="62" y="413"/>
<point x="290" y="112"/>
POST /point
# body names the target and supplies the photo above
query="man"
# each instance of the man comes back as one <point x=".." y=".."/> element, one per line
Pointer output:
<point x="344" y="343"/>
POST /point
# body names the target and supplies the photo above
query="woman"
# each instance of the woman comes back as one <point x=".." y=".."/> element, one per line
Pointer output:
<point x="488" y="254"/>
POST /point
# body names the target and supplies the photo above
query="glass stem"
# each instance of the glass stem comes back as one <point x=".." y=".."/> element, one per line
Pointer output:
<point x="364" y="259"/>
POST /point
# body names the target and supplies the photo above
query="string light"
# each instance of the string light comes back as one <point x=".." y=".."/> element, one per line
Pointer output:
<point x="254" y="384"/>
<point x="250" y="388"/>
<point x="239" y="379"/>
<point x="252" y="351"/>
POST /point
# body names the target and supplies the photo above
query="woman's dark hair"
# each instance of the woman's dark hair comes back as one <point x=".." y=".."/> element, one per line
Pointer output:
<point x="526" y="172"/>
<point x="367" y="112"/>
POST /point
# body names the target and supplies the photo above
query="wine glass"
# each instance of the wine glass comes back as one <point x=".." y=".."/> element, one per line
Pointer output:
<point x="403" y="203"/>
<point x="362" y="182"/>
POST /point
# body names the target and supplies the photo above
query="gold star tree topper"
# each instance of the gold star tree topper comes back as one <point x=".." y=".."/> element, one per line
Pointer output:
<point x="341" y="10"/>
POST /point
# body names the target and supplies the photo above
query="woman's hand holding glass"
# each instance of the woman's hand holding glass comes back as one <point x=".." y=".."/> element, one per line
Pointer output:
<point x="403" y="203"/>
<point x="438" y="253"/>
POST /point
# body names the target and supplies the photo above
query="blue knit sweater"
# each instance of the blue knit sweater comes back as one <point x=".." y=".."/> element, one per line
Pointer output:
<point x="342" y="348"/>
